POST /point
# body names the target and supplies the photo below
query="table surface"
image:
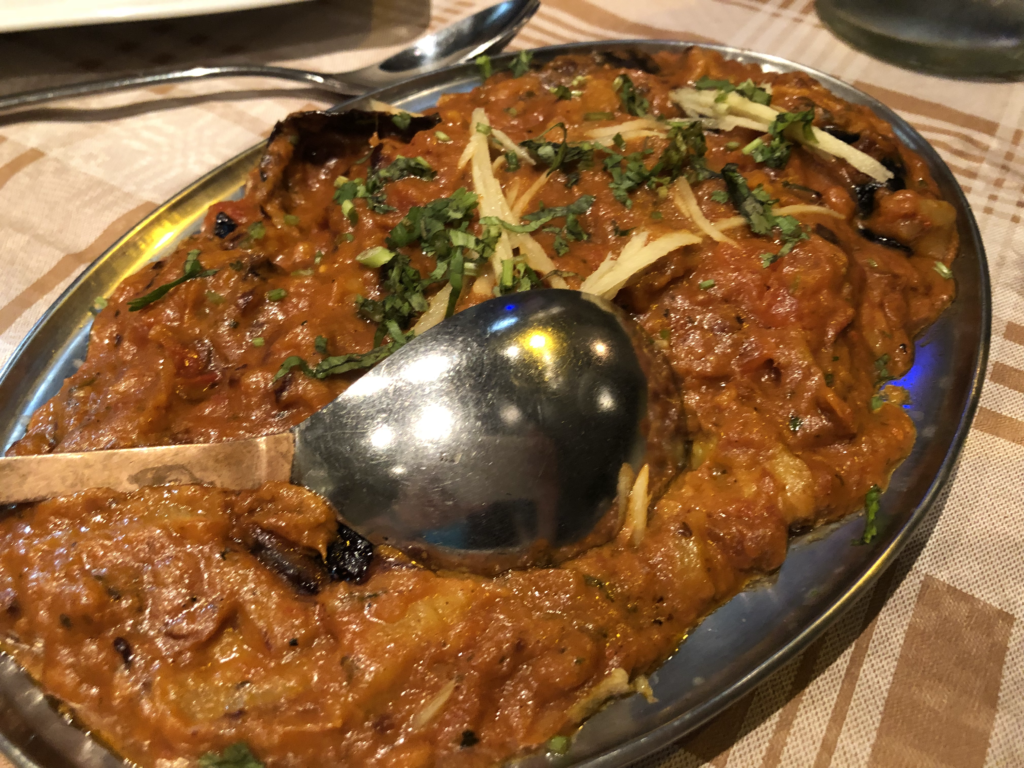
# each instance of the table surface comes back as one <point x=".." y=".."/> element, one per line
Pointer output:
<point x="927" y="669"/>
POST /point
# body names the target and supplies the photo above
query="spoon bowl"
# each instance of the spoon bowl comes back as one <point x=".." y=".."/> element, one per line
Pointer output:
<point x="494" y="440"/>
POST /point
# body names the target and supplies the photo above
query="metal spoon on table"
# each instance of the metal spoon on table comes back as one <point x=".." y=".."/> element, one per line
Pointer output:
<point x="493" y="440"/>
<point x="489" y="30"/>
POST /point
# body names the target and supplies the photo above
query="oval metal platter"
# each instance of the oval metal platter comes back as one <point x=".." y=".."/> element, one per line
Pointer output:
<point x="733" y="649"/>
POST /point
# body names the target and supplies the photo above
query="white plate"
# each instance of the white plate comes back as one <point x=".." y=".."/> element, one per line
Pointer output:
<point x="16" y="15"/>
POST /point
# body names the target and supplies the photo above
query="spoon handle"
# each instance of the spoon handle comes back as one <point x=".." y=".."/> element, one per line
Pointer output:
<point x="109" y="85"/>
<point x="238" y="464"/>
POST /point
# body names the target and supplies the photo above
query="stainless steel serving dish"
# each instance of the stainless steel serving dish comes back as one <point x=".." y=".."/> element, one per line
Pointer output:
<point x="737" y="646"/>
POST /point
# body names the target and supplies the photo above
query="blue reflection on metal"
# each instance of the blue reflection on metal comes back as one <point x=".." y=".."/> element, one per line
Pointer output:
<point x="924" y="380"/>
<point x="503" y="323"/>
<point x="510" y="307"/>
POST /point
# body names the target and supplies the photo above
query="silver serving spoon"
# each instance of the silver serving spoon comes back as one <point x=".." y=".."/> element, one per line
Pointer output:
<point x="493" y="440"/>
<point x="487" y="31"/>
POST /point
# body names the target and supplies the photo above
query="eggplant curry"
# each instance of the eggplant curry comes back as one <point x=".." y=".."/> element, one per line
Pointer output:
<point x="779" y="247"/>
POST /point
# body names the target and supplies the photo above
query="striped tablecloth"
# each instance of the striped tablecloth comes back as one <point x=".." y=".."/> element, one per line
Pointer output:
<point x="927" y="671"/>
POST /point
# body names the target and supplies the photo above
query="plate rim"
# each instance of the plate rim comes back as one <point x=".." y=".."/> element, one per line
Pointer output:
<point x="641" y="745"/>
<point x="37" y="17"/>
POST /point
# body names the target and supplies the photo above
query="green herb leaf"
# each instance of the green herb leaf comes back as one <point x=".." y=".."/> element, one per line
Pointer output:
<point x="705" y="284"/>
<point x="558" y="744"/>
<point x="402" y="120"/>
<point x="512" y="161"/>
<point x="292" y="362"/>
<point x="291" y="220"/>
<point x="747" y="89"/>
<point x="882" y="374"/>
<point x="876" y="402"/>
<point x="214" y="298"/>
<point x="620" y="232"/>
<point x="871" y="507"/>
<point x="520" y="64"/>
<point x="258" y="341"/>
<point x="375" y="257"/>
<point x="483" y="64"/>
<point x="320" y="344"/>
<point x="775" y="154"/>
<point x="442" y="136"/>
<point x="632" y="100"/>
<point x="257" y="231"/>
<point x="571" y="231"/>
<point x="339" y="364"/>
<point x="756" y="207"/>
<point x="561" y="92"/>
<point x="720" y="196"/>
<point x="235" y="756"/>
<point x="192" y="270"/>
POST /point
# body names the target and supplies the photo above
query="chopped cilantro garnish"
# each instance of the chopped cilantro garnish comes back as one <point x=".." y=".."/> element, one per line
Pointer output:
<point x="320" y="344"/>
<point x="339" y="364"/>
<point x="794" y="423"/>
<point x="520" y="64"/>
<point x="214" y="298"/>
<point x="756" y="207"/>
<point x="372" y="188"/>
<point x="516" y="276"/>
<point x="876" y="402"/>
<point x="375" y="257"/>
<point x="882" y="369"/>
<point x="775" y="154"/>
<point x="291" y="220"/>
<point x="191" y="270"/>
<point x="234" y="756"/>
<point x="632" y="100"/>
<point x="598" y="116"/>
<point x="657" y="215"/>
<point x="571" y="231"/>
<point x="561" y="92"/>
<point x="720" y="196"/>
<point x="558" y="744"/>
<point x="483" y="64"/>
<point x="705" y="284"/>
<point x="402" y="120"/>
<point x="871" y="506"/>
<point x="257" y="231"/>
<point x="564" y="156"/>
<point x="512" y="161"/>
<point x="258" y="341"/>
<point x="99" y="303"/>
<point x="747" y="89"/>
<point x="684" y="156"/>
<point x="276" y="294"/>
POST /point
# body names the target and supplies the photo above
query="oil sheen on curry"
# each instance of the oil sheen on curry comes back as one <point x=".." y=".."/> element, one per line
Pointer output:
<point x="777" y="245"/>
